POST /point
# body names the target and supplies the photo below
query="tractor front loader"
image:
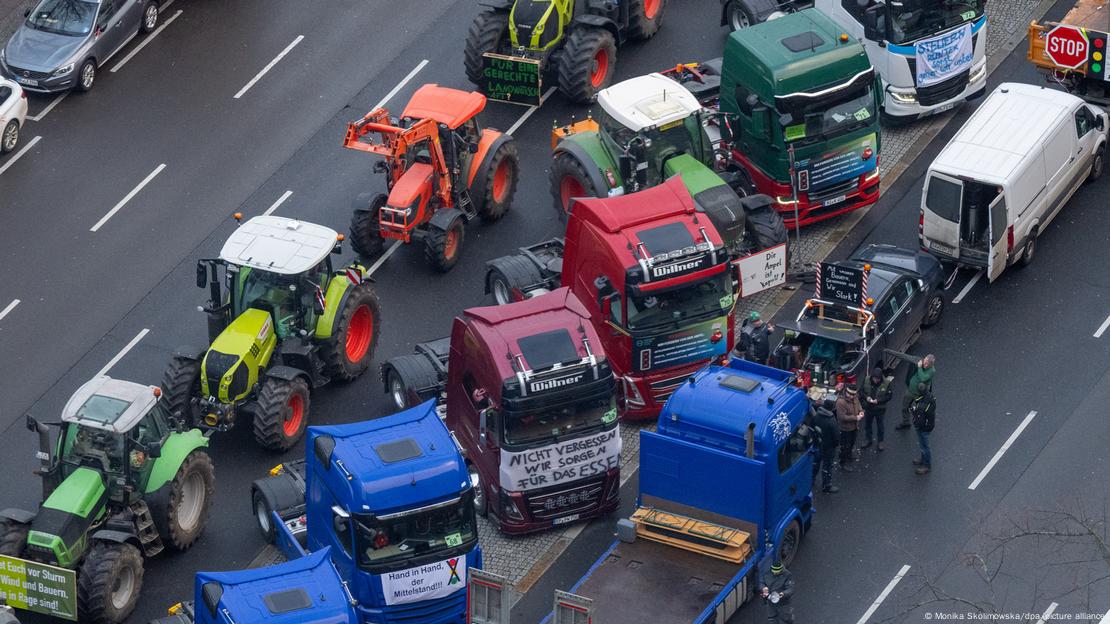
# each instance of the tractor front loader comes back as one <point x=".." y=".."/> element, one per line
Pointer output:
<point x="286" y="324"/>
<point x="441" y="168"/>
<point x="121" y="482"/>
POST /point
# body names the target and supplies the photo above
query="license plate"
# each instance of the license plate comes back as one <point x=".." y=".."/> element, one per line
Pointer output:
<point x="834" y="201"/>
<point x="565" y="519"/>
<point x="941" y="247"/>
<point x="27" y="81"/>
<point x="943" y="108"/>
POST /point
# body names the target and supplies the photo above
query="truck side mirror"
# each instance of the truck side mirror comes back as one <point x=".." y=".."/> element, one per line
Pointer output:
<point x="1099" y="123"/>
<point x="607" y="306"/>
<point x="202" y="274"/>
<point x="210" y="594"/>
<point x="339" y="519"/>
<point x="922" y="286"/>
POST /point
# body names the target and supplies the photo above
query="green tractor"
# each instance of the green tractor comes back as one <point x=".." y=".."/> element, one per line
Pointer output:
<point x="121" y="482"/>
<point x="649" y="129"/>
<point x="287" y="324"/>
<point x="573" y="41"/>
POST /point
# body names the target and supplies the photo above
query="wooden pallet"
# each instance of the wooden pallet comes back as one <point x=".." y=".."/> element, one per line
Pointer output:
<point x="707" y="538"/>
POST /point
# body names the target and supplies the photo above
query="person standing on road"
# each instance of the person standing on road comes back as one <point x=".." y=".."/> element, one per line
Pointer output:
<point x="876" y="394"/>
<point x="920" y="373"/>
<point x="848" y="414"/>
<point x="924" y="413"/>
<point x="824" y="421"/>
<point x="759" y="338"/>
<point x="777" y="590"/>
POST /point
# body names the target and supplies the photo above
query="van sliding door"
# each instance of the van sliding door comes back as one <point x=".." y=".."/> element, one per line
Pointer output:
<point x="999" y="226"/>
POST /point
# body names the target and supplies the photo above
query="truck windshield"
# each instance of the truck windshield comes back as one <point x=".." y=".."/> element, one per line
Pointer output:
<point x="394" y="540"/>
<point x="707" y="297"/>
<point x="911" y="20"/>
<point x="554" y="422"/>
<point x="840" y="112"/>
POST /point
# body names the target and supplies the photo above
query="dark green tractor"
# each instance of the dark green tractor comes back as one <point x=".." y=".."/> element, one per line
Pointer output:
<point x="284" y="324"/>
<point x="572" y="41"/>
<point x="121" y="482"/>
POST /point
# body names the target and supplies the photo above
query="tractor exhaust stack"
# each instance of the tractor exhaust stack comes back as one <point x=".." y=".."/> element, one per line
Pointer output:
<point x="44" y="451"/>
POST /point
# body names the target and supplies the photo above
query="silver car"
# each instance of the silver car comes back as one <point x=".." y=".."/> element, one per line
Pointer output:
<point x="62" y="42"/>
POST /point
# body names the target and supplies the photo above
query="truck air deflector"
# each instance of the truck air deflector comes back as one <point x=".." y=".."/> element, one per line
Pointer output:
<point x="548" y="349"/>
<point x="863" y="77"/>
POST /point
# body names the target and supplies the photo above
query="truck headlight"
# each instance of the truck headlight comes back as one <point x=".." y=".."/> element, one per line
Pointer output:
<point x="63" y="70"/>
<point x="977" y="73"/>
<point x="903" y="96"/>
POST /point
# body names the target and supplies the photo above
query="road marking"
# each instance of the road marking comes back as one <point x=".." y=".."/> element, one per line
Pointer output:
<point x="378" y="263"/>
<point x="269" y="67"/>
<point x="280" y="201"/>
<point x="1047" y="613"/>
<point x="1102" y="328"/>
<point x="528" y="113"/>
<point x="128" y="197"/>
<point x="143" y="43"/>
<point x="19" y="154"/>
<point x="967" y="288"/>
<point x="1001" y="451"/>
<point x="49" y="107"/>
<point x="401" y="85"/>
<point x="9" y="308"/>
<point x="119" y="356"/>
<point x="165" y="7"/>
<point x="882" y="596"/>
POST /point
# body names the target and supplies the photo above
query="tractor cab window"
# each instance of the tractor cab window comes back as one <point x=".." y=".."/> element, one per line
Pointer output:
<point x="287" y="298"/>
<point x="94" y="448"/>
<point x="610" y="127"/>
<point x="684" y="136"/>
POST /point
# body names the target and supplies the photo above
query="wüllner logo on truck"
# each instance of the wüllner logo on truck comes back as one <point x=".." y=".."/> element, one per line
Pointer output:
<point x="944" y="56"/>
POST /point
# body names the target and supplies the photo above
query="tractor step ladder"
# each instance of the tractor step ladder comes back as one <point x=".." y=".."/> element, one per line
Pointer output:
<point x="144" y="526"/>
<point x="466" y="205"/>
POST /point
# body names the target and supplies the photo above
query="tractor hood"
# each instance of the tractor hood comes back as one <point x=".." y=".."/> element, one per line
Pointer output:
<point x="57" y="531"/>
<point x="230" y="368"/>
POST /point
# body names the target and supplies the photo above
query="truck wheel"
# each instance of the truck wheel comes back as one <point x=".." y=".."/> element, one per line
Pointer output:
<point x="738" y="16"/>
<point x="348" y="352"/>
<point x="281" y="415"/>
<point x="569" y="180"/>
<point x="589" y="58"/>
<point x="510" y="277"/>
<point x="180" y="383"/>
<point x="442" y="247"/>
<point x="181" y="521"/>
<point x="263" y="516"/>
<point x="108" y="583"/>
<point x="934" y="310"/>
<point x="788" y="545"/>
<point x="647" y="17"/>
<point x="501" y="179"/>
<point x="481" y="507"/>
<point x="13" y="538"/>
<point x="366" y="233"/>
<point x="485" y="35"/>
<point x="1098" y="165"/>
<point x="405" y="376"/>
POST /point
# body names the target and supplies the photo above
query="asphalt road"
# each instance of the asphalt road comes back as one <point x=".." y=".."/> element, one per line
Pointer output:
<point x="1024" y="343"/>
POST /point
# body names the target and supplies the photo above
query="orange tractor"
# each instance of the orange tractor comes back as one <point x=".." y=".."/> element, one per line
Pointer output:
<point x="441" y="168"/>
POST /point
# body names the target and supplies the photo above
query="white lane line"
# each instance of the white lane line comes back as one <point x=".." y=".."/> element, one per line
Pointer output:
<point x="528" y="113"/>
<point x="966" y="289"/>
<point x="165" y="7"/>
<point x="8" y="308"/>
<point x="1047" y="613"/>
<point x="143" y="43"/>
<point x="128" y="197"/>
<point x="1001" y="451"/>
<point x="882" y="596"/>
<point x="401" y="85"/>
<point x="119" y="356"/>
<point x="1102" y="328"/>
<point x="49" y="107"/>
<point x="269" y="67"/>
<point x="378" y="263"/>
<point x="19" y="154"/>
<point x="280" y="201"/>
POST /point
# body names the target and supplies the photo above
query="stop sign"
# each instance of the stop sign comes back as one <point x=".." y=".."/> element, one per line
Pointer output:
<point x="1066" y="46"/>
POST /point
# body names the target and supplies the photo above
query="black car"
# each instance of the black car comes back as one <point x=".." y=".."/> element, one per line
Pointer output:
<point x="830" y="342"/>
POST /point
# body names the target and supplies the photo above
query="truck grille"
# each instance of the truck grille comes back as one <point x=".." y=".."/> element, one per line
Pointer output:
<point x="579" y="499"/>
<point x="419" y="612"/>
<point x="662" y="389"/>
<point x="836" y="190"/>
<point x="942" y="91"/>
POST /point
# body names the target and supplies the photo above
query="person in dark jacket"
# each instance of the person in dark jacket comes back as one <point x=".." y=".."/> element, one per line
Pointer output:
<point x="923" y="412"/>
<point x="824" y="421"/>
<point x="759" y="338"/>
<point x="921" y="372"/>
<point x="876" y="394"/>
<point x="848" y="414"/>
<point x="777" y="590"/>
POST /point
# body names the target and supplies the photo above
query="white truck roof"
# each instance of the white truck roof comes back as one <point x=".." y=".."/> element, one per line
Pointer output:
<point x="279" y="245"/>
<point x="109" y="404"/>
<point x="646" y="101"/>
<point x="1006" y="128"/>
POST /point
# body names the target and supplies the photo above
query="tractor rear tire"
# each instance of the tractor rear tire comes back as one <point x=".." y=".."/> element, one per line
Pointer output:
<point x="182" y="518"/>
<point x="108" y="583"/>
<point x="486" y="34"/>
<point x="568" y="180"/>
<point x="348" y="352"/>
<point x="366" y="233"/>
<point x="405" y="376"/>
<point x="13" y="538"/>
<point x="646" y="18"/>
<point x="180" y="384"/>
<point x="502" y="176"/>
<point x="508" y="278"/>
<point x="281" y="415"/>
<point x="587" y="65"/>
<point x="442" y="246"/>
<point x="764" y="229"/>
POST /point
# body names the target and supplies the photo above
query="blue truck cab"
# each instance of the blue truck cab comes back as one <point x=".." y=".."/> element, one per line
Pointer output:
<point x="392" y="499"/>
<point x="726" y="483"/>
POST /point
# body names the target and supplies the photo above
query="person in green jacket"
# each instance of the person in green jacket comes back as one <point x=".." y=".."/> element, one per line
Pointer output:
<point x="921" y="373"/>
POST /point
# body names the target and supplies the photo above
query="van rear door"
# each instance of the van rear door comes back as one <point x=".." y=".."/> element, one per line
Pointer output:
<point x="1001" y="237"/>
<point x="940" y="204"/>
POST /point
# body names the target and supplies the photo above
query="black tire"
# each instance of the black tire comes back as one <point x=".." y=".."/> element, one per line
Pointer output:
<point x="150" y="17"/>
<point x="1030" y="250"/>
<point x="263" y="516"/>
<point x="641" y="26"/>
<point x="737" y="16"/>
<point x="502" y="176"/>
<point x="563" y="168"/>
<point x="366" y="233"/>
<point x="10" y="138"/>
<point x="180" y="384"/>
<point x="108" y="583"/>
<point x="789" y="543"/>
<point x="486" y="34"/>
<point x="481" y="503"/>
<point x="1099" y="164"/>
<point x="277" y="426"/>
<point x="86" y="76"/>
<point x="765" y="228"/>
<point x="579" y="77"/>
<point x="933" y="311"/>
<point x="509" y="275"/>
<point x="405" y="376"/>
<point x="181" y="521"/>
<point x="347" y="354"/>
<point x="13" y="538"/>
<point x="442" y="247"/>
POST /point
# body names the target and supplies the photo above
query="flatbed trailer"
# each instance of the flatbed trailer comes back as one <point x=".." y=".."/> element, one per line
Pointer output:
<point x="1090" y="80"/>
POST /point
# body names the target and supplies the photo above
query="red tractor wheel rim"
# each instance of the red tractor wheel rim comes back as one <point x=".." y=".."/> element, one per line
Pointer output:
<point x="600" y="67"/>
<point x="293" y="420"/>
<point x="359" y="333"/>
<point x="570" y="187"/>
<point x="451" y="244"/>
<point x="651" y="7"/>
<point x="501" y="181"/>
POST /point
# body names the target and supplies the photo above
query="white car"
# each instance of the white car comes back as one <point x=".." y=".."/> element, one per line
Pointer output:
<point x="13" y="114"/>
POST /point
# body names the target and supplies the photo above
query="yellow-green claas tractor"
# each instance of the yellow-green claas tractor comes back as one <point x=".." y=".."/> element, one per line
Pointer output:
<point x="284" y="323"/>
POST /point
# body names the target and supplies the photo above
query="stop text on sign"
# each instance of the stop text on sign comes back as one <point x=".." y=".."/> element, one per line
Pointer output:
<point x="1067" y="46"/>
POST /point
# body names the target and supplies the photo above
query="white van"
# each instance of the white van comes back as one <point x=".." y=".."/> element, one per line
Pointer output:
<point x="1004" y="176"/>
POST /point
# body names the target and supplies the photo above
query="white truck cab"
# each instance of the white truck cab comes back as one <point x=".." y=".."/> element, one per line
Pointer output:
<point x="1007" y="173"/>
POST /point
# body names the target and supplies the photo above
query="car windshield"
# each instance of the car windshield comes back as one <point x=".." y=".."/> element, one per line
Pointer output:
<point x="711" y="295"/>
<point x="554" y="422"/>
<point x="911" y="20"/>
<point x="393" y="540"/>
<point x="63" y="17"/>
<point x="841" y="112"/>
